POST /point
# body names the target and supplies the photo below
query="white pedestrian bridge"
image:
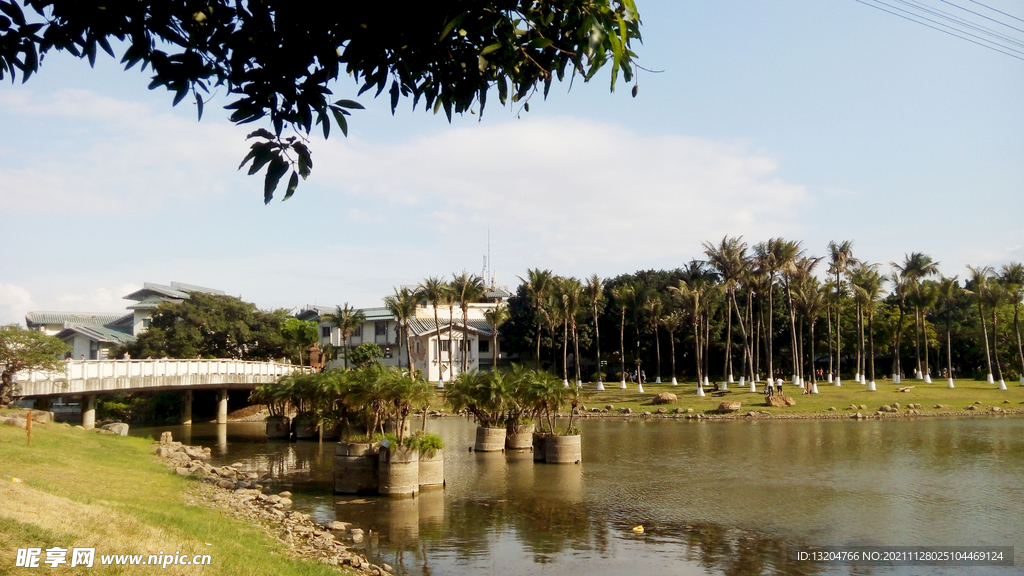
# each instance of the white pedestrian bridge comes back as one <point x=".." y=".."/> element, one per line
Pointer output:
<point x="88" y="378"/>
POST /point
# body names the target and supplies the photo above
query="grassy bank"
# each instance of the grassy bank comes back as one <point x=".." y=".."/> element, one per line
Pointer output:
<point x="966" y="393"/>
<point x="82" y="489"/>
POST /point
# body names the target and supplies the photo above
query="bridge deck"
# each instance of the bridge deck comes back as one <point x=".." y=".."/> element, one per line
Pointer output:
<point x="108" y="376"/>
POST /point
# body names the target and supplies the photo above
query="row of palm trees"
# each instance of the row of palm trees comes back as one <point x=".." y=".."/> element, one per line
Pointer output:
<point x="735" y="299"/>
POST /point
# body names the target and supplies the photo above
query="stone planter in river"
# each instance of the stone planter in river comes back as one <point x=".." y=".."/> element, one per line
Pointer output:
<point x="431" y="469"/>
<point x="489" y="439"/>
<point x="305" y="426"/>
<point x="355" y="468"/>
<point x="398" y="471"/>
<point x="278" y="427"/>
<point x="563" y="449"/>
<point x="519" y="437"/>
<point x="539" y="446"/>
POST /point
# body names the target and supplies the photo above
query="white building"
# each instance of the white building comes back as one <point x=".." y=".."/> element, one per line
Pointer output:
<point x="92" y="336"/>
<point x="381" y="328"/>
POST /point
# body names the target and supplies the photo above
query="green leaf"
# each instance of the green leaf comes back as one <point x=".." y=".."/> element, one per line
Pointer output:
<point x="293" y="183"/>
<point x="350" y="104"/>
<point x="451" y="26"/>
<point x="636" y="88"/>
<point x="340" y="119"/>
<point x="199" y="105"/>
<point x="262" y="132"/>
<point x="275" y="171"/>
<point x="488" y="49"/>
<point x="541" y="42"/>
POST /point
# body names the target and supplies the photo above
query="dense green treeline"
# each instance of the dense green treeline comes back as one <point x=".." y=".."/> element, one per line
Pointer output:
<point x="750" y="310"/>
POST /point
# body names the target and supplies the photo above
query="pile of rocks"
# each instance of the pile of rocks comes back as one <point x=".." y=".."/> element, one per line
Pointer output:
<point x="242" y="495"/>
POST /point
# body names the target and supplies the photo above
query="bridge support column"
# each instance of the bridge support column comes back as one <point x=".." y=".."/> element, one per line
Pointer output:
<point x="222" y="406"/>
<point x="89" y="411"/>
<point x="186" y="411"/>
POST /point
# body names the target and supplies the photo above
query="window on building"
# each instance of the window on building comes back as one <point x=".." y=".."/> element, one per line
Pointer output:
<point x="146" y="322"/>
<point x="325" y="331"/>
<point x="444" y="345"/>
<point x="485" y="346"/>
<point x="358" y="332"/>
<point x="387" y="352"/>
<point x="381" y="328"/>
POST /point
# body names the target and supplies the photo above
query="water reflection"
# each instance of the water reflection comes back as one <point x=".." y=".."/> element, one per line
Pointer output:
<point x="713" y="497"/>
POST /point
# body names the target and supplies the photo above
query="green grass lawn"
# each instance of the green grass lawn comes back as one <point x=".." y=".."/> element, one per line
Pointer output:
<point x="82" y="489"/>
<point x="928" y="395"/>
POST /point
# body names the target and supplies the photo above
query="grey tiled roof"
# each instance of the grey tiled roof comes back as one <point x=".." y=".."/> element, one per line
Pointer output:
<point x="97" y="333"/>
<point x="36" y="318"/>
<point x="421" y="326"/>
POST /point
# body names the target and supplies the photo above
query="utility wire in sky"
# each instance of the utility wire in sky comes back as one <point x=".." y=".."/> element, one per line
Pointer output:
<point x="1001" y="43"/>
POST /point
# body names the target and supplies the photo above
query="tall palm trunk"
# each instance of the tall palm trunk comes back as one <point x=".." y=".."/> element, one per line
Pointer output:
<point x="812" y="352"/>
<point x="828" y="322"/>
<point x="871" y="341"/>
<point x="437" y="332"/>
<point x="465" y="339"/>
<point x="839" y="328"/>
<point x="949" y="347"/>
<point x="576" y="350"/>
<point x="622" y="343"/>
<point x="727" y="366"/>
<point x="451" y="341"/>
<point x="926" y="368"/>
<point x="538" y="339"/>
<point x="565" y="349"/>
<point x="672" y="349"/>
<point x="917" y="340"/>
<point x="657" y="351"/>
<point x="597" y="339"/>
<point x="771" y="312"/>
<point x="792" y="326"/>
<point x="1016" y="328"/>
<point x="984" y="331"/>
<point x="899" y="337"/>
<point x="995" y="346"/>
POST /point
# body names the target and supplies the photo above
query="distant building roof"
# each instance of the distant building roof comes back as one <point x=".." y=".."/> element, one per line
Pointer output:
<point x="34" y="319"/>
<point x="421" y="326"/>
<point x="497" y="292"/>
<point x="97" y="333"/>
<point x="176" y="291"/>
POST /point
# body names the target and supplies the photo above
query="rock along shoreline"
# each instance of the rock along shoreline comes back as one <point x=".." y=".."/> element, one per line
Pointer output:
<point x="241" y="495"/>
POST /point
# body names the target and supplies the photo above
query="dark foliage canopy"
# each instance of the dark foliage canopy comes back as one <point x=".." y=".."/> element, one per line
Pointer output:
<point x="212" y="326"/>
<point x="278" y="60"/>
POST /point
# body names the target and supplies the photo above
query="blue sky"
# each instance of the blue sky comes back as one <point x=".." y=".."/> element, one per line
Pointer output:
<point x="812" y="120"/>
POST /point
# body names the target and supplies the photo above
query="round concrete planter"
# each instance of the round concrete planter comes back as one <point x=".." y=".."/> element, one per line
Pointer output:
<point x="519" y="437"/>
<point x="278" y="427"/>
<point x="563" y="450"/>
<point x="305" y="427"/>
<point x="391" y="427"/>
<point x="431" y="469"/>
<point x="355" y="468"/>
<point x="489" y="439"/>
<point x="539" y="446"/>
<point x="330" y="431"/>
<point x="398" y="471"/>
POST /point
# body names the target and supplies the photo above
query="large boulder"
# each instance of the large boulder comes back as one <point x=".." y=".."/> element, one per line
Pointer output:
<point x="780" y="401"/>
<point x="119" y="428"/>
<point x="729" y="406"/>
<point x="665" y="398"/>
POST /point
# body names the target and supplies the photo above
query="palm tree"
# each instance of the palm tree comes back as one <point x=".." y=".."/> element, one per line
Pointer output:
<point x="654" y="309"/>
<point x="496" y="317"/>
<point x="622" y="294"/>
<point x="692" y="297"/>
<point x="403" y="305"/>
<point x="435" y="291"/>
<point x="346" y="319"/>
<point x="672" y="322"/>
<point x="594" y="293"/>
<point x="867" y="284"/>
<point x="538" y="285"/>
<point x="729" y="258"/>
<point x="809" y="298"/>
<point x="572" y="295"/>
<point x="979" y="284"/>
<point x="1013" y="279"/>
<point x="802" y="267"/>
<point x="466" y="288"/>
<point x="915" y="268"/>
<point x="775" y="256"/>
<point x="900" y="289"/>
<point x="995" y="296"/>
<point x="949" y="290"/>
<point x="840" y="259"/>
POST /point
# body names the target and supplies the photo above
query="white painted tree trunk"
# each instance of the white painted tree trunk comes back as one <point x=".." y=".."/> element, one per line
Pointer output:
<point x="657" y="380"/>
<point x="730" y="380"/>
<point x="622" y="385"/>
<point x="440" y="382"/>
<point x="856" y="378"/>
<point x="1002" y="384"/>
<point x="565" y="382"/>
<point x="674" y="381"/>
<point x="814" y="388"/>
<point x="838" y="380"/>
<point x="640" y="388"/>
<point x="990" y="380"/>
<point x="871" y="386"/>
<point x="725" y="386"/>
<point x="949" y="383"/>
<point x="705" y="381"/>
<point x="579" y="384"/>
<point x="700" y="390"/>
<point x="600" y="386"/>
<point x="927" y="378"/>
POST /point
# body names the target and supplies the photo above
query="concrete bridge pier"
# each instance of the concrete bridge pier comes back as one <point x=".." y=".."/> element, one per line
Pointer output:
<point x="88" y="411"/>
<point x="222" y="406"/>
<point x="186" y="411"/>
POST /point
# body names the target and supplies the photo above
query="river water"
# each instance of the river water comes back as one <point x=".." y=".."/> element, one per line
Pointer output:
<point x="736" y="497"/>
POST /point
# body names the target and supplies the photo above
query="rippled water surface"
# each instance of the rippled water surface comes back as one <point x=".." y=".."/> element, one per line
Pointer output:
<point x="713" y="497"/>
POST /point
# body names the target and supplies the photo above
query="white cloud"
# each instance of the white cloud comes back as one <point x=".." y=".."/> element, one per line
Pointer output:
<point x="575" y="191"/>
<point x="15" y="301"/>
<point x="98" y="300"/>
<point x="106" y="155"/>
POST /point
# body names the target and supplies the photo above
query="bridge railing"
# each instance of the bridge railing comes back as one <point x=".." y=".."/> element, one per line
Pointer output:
<point x="173" y="371"/>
